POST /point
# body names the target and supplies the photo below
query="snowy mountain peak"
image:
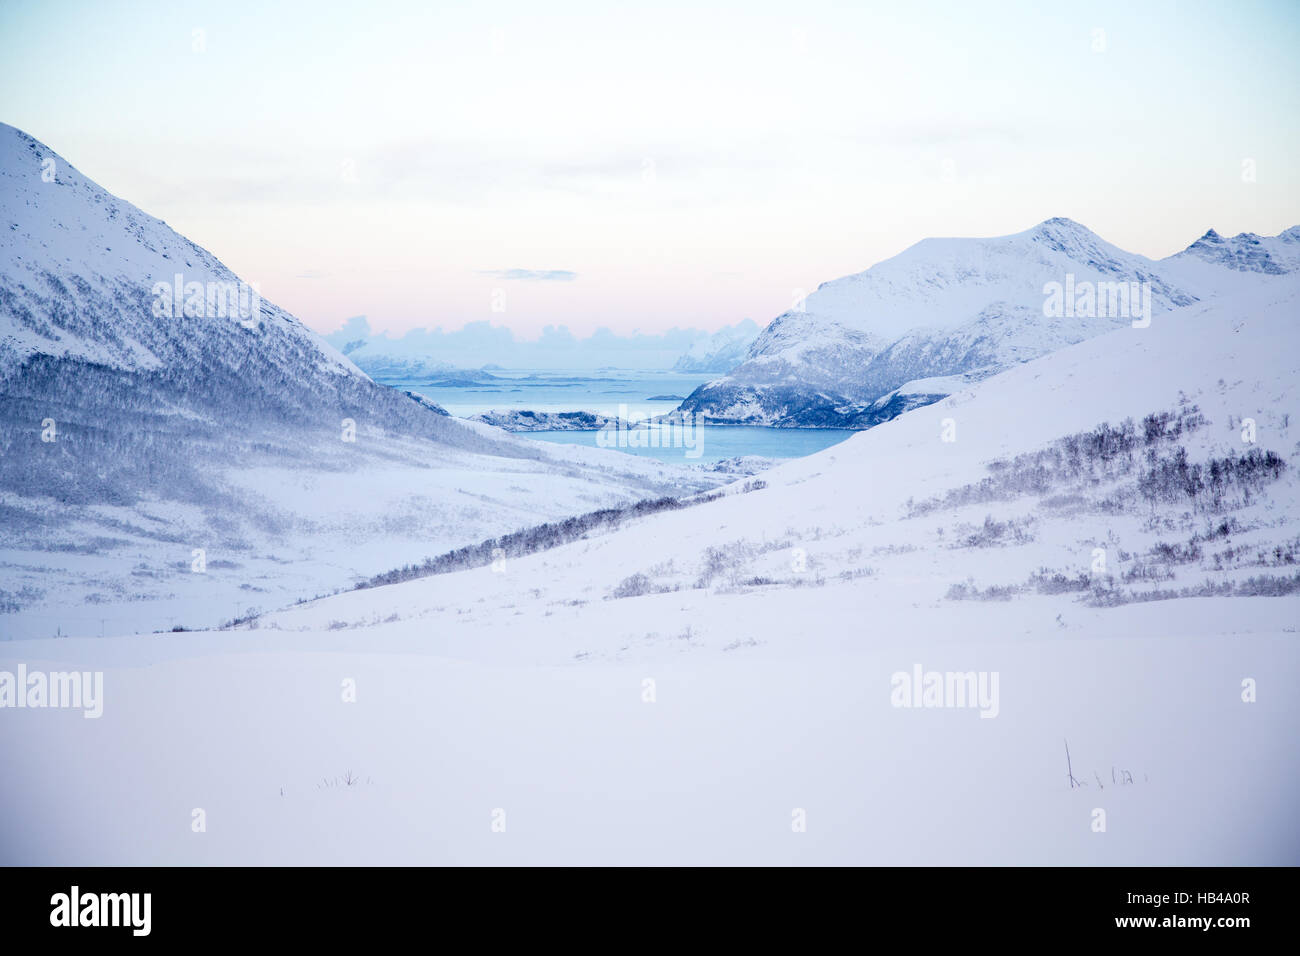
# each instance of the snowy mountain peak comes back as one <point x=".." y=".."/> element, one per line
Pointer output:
<point x="1247" y="252"/>
<point x="1061" y="227"/>
<point x="1079" y="243"/>
<point x="955" y="307"/>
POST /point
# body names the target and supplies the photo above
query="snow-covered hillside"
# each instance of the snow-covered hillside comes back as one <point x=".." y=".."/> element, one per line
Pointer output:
<point x="965" y="307"/>
<point x="1104" y="538"/>
<point x="172" y="455"/>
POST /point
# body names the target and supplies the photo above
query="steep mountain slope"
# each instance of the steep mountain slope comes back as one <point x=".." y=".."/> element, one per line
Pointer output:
<point x="721" y="683"/>
<point x="79" y="270"/>
<point x="153" y="404"/>
<point x="949" y="307"/>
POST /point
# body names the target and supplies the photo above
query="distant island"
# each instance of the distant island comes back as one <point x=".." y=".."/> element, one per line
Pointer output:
<point x="523" y="420"/>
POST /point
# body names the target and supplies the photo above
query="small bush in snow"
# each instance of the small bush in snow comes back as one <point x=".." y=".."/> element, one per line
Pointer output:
<point x="633" y="586"/>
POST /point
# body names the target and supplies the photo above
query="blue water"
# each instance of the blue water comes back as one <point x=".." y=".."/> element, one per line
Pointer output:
<point x="551" y="390"/>
<point x="715" y="442"/>
<point x="619" y="393"/>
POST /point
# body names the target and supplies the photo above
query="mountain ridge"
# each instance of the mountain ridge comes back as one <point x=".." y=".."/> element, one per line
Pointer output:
<point x="953" y="307"/>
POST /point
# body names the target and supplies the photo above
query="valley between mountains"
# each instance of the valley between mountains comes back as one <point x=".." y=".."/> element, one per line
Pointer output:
<point x="467" y="648"/>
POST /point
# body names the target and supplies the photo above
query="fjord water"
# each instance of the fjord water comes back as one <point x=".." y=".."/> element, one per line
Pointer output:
<point x="637" y="393"/>
<point x="716" y="442"/>
<point x="556" y="390"/>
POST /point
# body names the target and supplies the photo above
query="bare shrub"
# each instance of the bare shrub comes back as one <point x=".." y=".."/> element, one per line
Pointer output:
<point x="531" y="540"/>
<point x="633" y="586"/>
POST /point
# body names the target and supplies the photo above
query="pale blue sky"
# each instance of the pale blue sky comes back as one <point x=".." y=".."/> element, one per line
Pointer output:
<point x="689" y="164"/>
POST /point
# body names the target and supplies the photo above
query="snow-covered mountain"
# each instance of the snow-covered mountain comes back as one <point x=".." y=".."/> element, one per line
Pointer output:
<point x="721" y="351"/>
<point x="82" y="340"/>
<point x="1247" y="252"/>
<point x="964" y="307"/>
<point x="153" y="405"/>
<point x="1214" y="265"/>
